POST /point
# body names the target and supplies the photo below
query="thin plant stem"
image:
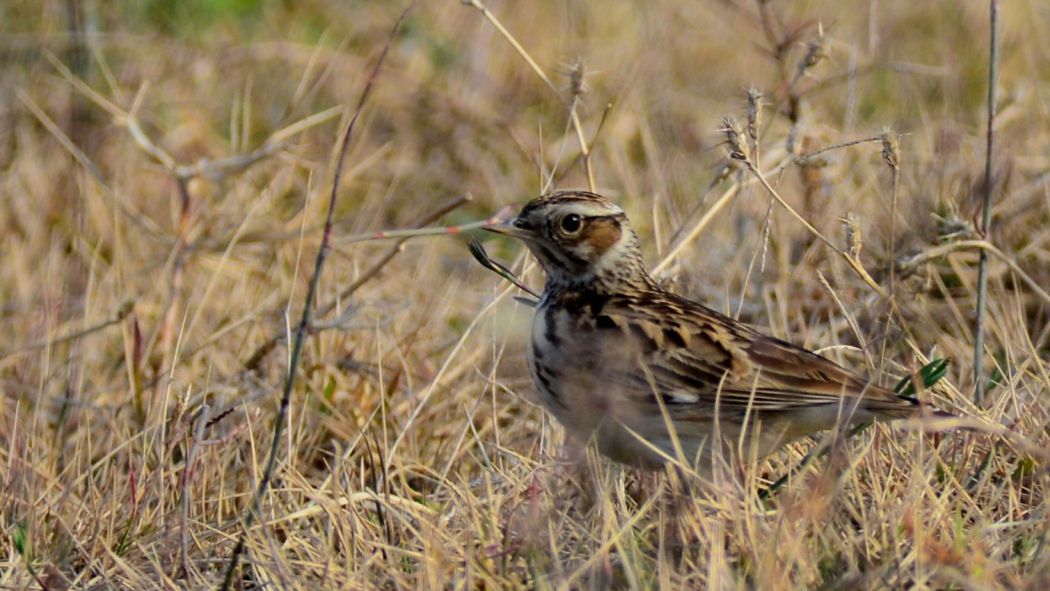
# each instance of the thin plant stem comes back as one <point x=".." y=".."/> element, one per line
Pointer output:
<point x="260" y="353"/>
<point x="891" y="155"/>
<point x="585" y="150"/>
<point x="477" y="4"/>
<point x="255" y="508"/>
<point x="850" y="260"/>
<point x="574" y="118"/>
<point x="982" y="263"/>
<point x="726" y="197"/>
<point x="122" y="313"/>
<point x="695" y="231"/>
<point x="911" y="264"/>
<point x="838" y="146"/>
<point x="893" y="227"/>
<point x="438" y="231"/>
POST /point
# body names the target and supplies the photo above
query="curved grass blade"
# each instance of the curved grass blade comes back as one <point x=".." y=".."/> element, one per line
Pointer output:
<point x="482" y="256"/>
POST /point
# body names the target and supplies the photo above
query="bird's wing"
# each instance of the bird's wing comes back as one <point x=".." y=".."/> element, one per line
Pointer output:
<point x="693" y="355"/>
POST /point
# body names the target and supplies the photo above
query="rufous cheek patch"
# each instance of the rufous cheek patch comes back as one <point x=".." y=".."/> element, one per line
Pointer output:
<point x="601" y="235"/>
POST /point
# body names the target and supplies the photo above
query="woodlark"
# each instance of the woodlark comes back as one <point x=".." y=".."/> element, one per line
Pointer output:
<point x="650" y="376"/>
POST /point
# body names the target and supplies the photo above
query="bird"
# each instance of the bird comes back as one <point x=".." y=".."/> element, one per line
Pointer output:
<point x="654" y="378"/>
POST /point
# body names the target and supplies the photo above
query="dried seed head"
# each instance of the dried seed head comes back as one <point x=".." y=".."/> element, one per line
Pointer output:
<point x="738" y="149"/>
<point x="754" y="112"/>
<point x="891" y="148"/>
<point x="576" y="72"/>
<point x="791" y="143"/>
<point x="853" y="235"/>
<point x="816" y="51"/>
<point x="125" y="309"/>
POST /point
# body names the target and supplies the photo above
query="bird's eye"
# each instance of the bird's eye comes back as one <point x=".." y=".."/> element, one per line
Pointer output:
<point x="571" y="223"/>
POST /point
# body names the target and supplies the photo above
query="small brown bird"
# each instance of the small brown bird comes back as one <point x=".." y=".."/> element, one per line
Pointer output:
<point x="650" y="376"/>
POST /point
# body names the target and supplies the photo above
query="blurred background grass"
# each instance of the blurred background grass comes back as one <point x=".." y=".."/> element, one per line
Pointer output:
<point x="136" y="292"/>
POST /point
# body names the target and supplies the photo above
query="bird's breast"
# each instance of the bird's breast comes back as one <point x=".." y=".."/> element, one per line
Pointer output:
<point x="564" y="371"/>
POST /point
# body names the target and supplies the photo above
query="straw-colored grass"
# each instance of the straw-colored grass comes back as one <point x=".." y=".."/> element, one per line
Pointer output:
<point x="162" y="193"/>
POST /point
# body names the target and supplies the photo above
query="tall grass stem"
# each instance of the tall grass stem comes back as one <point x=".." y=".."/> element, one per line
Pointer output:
<point x="986" y="206"/>
<point x="304" y="322"/>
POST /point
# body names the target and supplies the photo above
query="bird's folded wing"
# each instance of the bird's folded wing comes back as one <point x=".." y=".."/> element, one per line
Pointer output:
<point x="691" y="355"/>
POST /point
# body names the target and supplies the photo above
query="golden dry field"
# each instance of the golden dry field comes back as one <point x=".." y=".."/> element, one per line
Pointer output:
<point x="166" y="170"/>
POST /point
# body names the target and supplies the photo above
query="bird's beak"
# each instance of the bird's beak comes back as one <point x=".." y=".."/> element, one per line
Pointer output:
<point x="511" y="227"/>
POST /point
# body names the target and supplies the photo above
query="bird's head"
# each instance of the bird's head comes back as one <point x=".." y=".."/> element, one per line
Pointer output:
<point x="580" y="239"/>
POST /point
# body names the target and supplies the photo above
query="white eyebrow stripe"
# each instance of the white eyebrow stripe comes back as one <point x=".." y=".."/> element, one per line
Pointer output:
<point x="586" y="209"/>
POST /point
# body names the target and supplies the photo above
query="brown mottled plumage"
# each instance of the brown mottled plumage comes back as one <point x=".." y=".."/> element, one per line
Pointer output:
<point x="622" y="362"/>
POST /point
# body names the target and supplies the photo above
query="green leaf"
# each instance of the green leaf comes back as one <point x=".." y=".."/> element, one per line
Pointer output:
<point x="930" y="374"/>
<point x="19" y="538"/>
<point x="1025" y="469"/>
<point x="997" y="379"/>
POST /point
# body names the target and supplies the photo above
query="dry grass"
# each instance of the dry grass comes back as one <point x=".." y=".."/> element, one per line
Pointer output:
<point x="161" y="203"/>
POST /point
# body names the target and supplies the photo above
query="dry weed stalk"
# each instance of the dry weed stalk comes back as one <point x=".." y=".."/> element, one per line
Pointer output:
<point x="754" y="121"/>
<point x="730" y="126"/>
<point x="255" y="507"/>
<point x="576" y="83"/>
<point x="986" y="203"/>
<point x="256" y="358"/>
<point x="853" y="235"/>
<point x="125" y="309"/>
<point x="911" y="264"/>
<point x="891" y="155"/>
<point x="738" y="150"/>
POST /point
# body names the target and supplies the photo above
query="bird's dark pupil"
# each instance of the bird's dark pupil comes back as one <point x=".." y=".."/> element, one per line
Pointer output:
<point x="570" y="223"/>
